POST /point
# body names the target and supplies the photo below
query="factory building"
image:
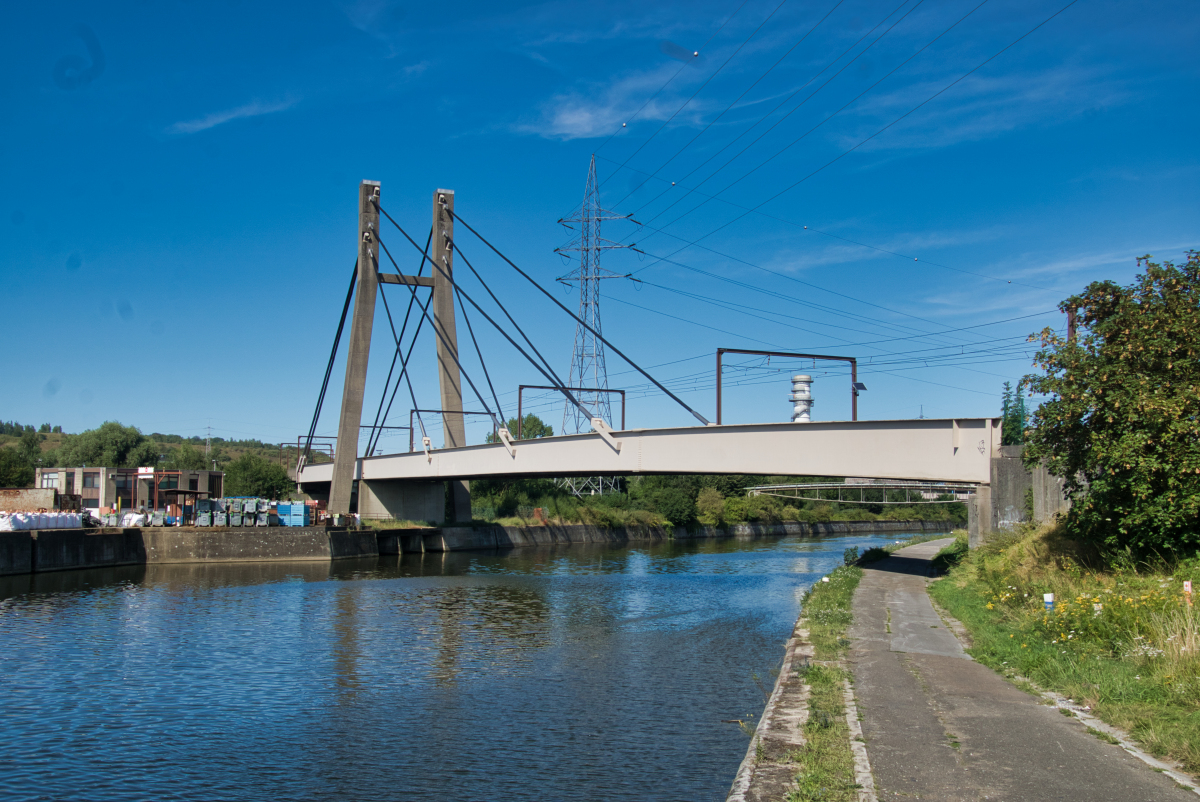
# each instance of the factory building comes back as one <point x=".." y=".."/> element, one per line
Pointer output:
<point x="103" y="489"/>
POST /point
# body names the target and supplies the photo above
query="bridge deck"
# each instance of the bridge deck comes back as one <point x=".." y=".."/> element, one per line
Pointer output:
<point x="944" y="450"/>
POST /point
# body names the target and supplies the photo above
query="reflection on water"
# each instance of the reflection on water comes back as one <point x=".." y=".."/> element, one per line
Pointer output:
<point x="581" y="672"/>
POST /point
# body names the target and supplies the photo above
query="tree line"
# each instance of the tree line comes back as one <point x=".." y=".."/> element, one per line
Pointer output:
<point x="114" y="445"/>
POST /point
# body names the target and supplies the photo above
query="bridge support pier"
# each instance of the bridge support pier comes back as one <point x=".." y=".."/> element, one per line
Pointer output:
<point x="401" y="499"/>
<point x="979" y="516"/>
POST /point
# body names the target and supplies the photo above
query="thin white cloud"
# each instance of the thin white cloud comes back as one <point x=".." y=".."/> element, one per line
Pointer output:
<point x="255" y="108"/>
<point x="599" y="110"/>
<point x="985" y="106"/>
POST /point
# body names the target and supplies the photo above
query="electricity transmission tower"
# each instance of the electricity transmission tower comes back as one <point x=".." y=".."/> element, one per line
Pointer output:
<point x="588" y="371"/>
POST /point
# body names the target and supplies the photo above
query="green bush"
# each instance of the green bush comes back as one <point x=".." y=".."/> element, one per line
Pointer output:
<point x="710" y="506"/>
<point x="735" y="510"/>
<point x="873" y="554"/>
<point x="951" y="555"/>
<point x="675" y="505"/>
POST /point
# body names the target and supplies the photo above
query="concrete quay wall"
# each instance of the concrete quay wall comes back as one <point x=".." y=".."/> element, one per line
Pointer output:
<point x="466" y="538"/>
<point x="46" y="550"/>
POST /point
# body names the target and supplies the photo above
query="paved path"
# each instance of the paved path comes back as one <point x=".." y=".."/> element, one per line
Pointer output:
<point x="940" y="726"/>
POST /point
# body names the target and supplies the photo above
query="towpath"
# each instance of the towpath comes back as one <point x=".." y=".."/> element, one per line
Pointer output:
<point x="939" y="726"/>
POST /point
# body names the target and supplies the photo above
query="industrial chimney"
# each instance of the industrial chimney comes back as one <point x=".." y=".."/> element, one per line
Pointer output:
<point x="802" y="398"/>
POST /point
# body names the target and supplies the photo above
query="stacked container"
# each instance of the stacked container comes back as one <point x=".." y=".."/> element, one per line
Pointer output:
<point x="295" y="514"/>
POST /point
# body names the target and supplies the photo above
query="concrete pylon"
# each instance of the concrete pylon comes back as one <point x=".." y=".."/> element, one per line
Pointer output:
<point x="449" y="375"/>
<point x="366" y="287"/>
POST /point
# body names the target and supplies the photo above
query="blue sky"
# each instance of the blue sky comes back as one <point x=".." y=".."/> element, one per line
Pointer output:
<point x="180" y="184"/>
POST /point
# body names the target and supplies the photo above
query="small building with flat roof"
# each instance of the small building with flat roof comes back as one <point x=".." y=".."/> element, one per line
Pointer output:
<point x="102" y="488"/>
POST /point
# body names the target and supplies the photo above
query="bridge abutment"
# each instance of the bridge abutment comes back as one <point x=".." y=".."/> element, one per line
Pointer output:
<point x="1015" y="495"/>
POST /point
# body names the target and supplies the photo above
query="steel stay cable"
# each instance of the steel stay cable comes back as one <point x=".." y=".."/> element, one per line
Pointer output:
<point x="714" y="121"/>
<point x="399" y="338"/>
<point x="549" y="376"/>
<point x="442" y="337"/>
<point x="557" y="381"/>
<point x="404" y="364"/>
<point x="479" y="353"/>
<point x="548" y="372"/>
<point x="399" y="228"/>
<point x="337" y="338"/>
<point x="896" y="121"/>
<point x="579" y="320"/>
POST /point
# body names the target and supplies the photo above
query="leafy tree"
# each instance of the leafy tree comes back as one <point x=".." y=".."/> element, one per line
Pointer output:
<point x="532" y="427"/>
<point x="675" y="504"/>
<point x="57" y="430"/>
<point x="710" y="506"/>
<point x="1122" y="424"/>
<point x="251" y="475"/>
<point x="112" y="445"/>
<point x="15" y="469"/>
<point x="44" y="428"/>
<point x="30" y="447"/>
<point x="186" y="458"/>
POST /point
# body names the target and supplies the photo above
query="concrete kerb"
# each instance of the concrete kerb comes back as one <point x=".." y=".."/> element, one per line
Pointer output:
<point x="773" y="718"/>
<point x="781" y="729"/>
<point x="858" y="746"/>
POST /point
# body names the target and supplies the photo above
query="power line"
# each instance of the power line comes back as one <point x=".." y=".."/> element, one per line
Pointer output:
<point x="932" y="97"/>
<point x="706" y="82"/>
<point x="760" y="212"/>
<point x="788" y="99"/>
<point x="849" y="103"/>
<point x="674" y="76"/>
<point x="558" y="303"/>
<point x="714" y="121"/>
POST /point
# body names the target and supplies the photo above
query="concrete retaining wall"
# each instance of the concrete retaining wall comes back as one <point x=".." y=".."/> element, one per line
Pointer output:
<point x="16" y="553"/>
<point x="65" y="549"/>
<point x="1002" y="504"/>
<point x="462" y="538"/>
<point x="47" y="550"/>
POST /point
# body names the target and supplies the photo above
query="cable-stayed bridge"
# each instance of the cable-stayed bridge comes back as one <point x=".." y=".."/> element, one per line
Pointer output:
<point x="413" y="485"/>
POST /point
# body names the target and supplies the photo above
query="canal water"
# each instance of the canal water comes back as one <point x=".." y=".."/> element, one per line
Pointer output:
<point x="575" y="673"/>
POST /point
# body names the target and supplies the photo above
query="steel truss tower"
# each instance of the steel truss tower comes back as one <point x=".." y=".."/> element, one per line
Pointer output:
<point x="587" y="357"/>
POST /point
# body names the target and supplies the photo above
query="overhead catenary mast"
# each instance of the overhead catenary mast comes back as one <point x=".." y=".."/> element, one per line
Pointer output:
<point x="587" y="357"/>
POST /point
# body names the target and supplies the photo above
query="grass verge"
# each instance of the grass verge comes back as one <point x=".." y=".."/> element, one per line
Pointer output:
<point x="825" y="762"/>
<point x="1120" y="639"/>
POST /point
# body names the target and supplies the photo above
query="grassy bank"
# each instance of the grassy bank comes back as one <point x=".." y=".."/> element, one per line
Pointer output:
<point x="1121" y="638"/>
<point x="825" y="762"/>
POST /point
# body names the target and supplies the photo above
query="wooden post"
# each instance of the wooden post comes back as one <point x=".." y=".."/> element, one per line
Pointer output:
<point x="449" y="376"/>
<point x="367" y="284"/>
